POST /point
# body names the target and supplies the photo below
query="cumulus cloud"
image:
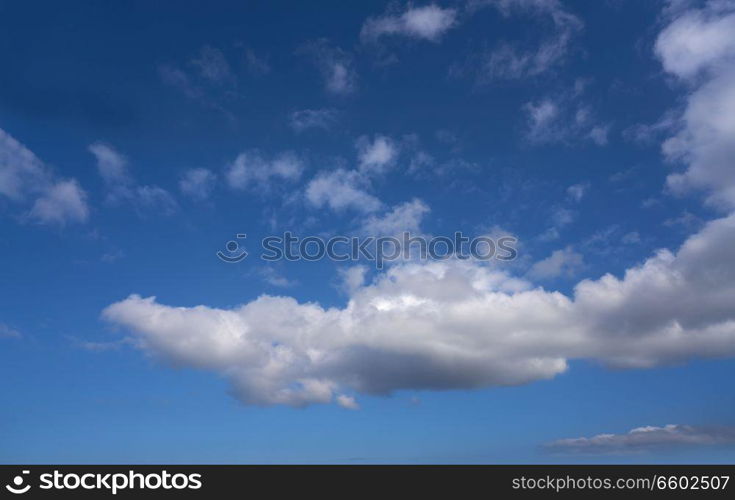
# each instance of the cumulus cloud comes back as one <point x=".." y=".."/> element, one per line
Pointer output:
<point x="403" y="217"/>
<point x="649" y="438"/>
<point x="62" y="202"/>
<point x="377" y="155"/>
<point x="313" y="118"/>
<point x="428" y="22"/>
<point x="334" y="64"/>
<point x="24" y="179"/>
<point x="701" y="43"/>
<point x="251" y="170"/>
<point x="340" y="190"/>
<point x="197" y="183"/>
<point x="453" y="324"/>
<point x="123" y="188"/>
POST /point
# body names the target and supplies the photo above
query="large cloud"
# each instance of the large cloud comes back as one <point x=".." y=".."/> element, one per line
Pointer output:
<point x="698" y="47"/>
<point x="453" y="324"/>
<point x="465" y="324"/>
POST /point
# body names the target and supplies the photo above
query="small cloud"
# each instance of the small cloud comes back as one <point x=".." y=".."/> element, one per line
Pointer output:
<point x="197" y="183"/>
<point x="347" y="402"/>
<point x="113" y="256"/>
<point x="25" y="179"/>
<point x="111" y="165"/>
<point x="565" y="262"/>
<point x="212" y="64"/>
<point x="577" y="191"/>
<point x="274" y="278"/>
<point x="62" y="202"/>
<point x="256" y="65"/>
<point x="632" y="238"/>
<point x="306" y="119"/>
<point x="429" y="22"/>
<point x="405" y="217"/>
<point x="251" y="170"/>
<point x="122" y="187"/>
<point x="643" y="439"/>
<point x="334" y="64"/>
<point x="352" y="278"/>
<point x="340" y="190"/>
<point x="8" y="333"/>
<point x="377" y="155"/>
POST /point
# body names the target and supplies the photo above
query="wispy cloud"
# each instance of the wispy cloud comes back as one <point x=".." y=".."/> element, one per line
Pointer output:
<point x="646" y="439"/>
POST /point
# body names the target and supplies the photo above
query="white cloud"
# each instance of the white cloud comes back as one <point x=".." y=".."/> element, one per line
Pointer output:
<point x="352" y="278"/>
<point x="698" y="40"/>
<point x="565" y="262"/>
<point x="251" y="170"/>
<point x="123" y="188"/>
<point x="212" y="64"/>
<point x="703" y="42"/>
<point x="541" y="118"/>
<point x="24" y="178"/>
<point x="507" y="61"/>
<point x="403" y="217"/>
<point x="111" y="165"/>
<point x="197" y="183"/>
<point x="376" y="156"/>
<point x="647" y="438"/>
<point x="341" y="189"/>
<point x="334" y="64"/>
<point x="62" y="202"/>
<point x="347" y="402"/>
<point x="313" y="118"/>
<point x="576" y="192"/>
<point x="598" y="134"/>
<point x="429" y="22"/>
<point x="274" y="278"/>
<point x="453" y="324"/>
<point x="563" y="119"/>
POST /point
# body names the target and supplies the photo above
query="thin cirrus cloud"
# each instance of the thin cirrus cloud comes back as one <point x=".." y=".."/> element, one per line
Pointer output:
<point x="507" y="60"/>
<point x="26" y="181"/>
<point x="122" y="188"/>
<point x="335" y="65"/>
<point x="645" y="439"/>
<point x="306" y="119"/>
<point x="429" y="22"/>
<point x="464" y="324"/>
<point x="197" y="183"/>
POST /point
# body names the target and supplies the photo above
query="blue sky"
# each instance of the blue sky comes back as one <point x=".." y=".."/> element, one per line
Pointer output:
<point x="136" y="139"/>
